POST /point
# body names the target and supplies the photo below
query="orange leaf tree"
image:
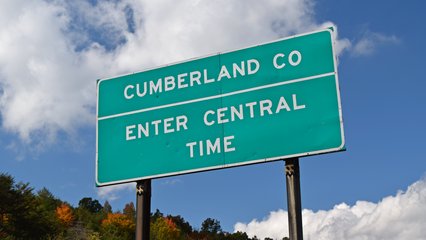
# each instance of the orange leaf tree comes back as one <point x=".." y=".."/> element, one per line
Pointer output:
<point x="65" y="215"/>
<point x="118" y="226"/>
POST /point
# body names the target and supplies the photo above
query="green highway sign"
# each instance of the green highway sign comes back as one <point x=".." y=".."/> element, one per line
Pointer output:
<point x="263" y="103"/>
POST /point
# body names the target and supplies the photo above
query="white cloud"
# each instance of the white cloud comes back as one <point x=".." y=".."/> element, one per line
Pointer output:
<point x="46" y="86"/>
<point x="110" y="192"/>
<point x="171" y="181"/>
<point x="370" y="41"/>
<point x="395" y="217"/>
<point x="169" y="32"/>
<point x="52" y="52"/>
<point x="274" y="226"/>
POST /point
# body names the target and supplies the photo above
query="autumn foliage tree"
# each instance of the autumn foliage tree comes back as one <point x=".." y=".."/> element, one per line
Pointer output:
<point x="28" y="215"/>
<point x="117" y="226"/>
<point x="65" y="215"/>
<point x="164" y="228"/>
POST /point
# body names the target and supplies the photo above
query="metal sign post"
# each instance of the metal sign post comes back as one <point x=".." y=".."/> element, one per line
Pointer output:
<point x="294" y="202"/>
<point x="143" y="209"/>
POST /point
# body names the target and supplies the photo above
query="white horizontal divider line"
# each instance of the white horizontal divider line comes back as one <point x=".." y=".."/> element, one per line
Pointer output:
<point x="218" y="96"/>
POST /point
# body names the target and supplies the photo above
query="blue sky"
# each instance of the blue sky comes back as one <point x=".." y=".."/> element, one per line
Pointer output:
<point x="52" y="52"/>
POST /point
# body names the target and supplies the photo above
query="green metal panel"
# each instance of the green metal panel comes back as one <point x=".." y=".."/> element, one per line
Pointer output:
<point x="266" y="115"/>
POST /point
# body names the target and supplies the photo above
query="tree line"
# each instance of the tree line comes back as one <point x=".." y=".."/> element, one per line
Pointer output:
<point x="26" y="214"/>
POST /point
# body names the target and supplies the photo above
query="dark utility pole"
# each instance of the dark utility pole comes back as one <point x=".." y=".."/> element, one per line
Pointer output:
<point x="143" y="209"/>
<point x="294" y="202"/>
